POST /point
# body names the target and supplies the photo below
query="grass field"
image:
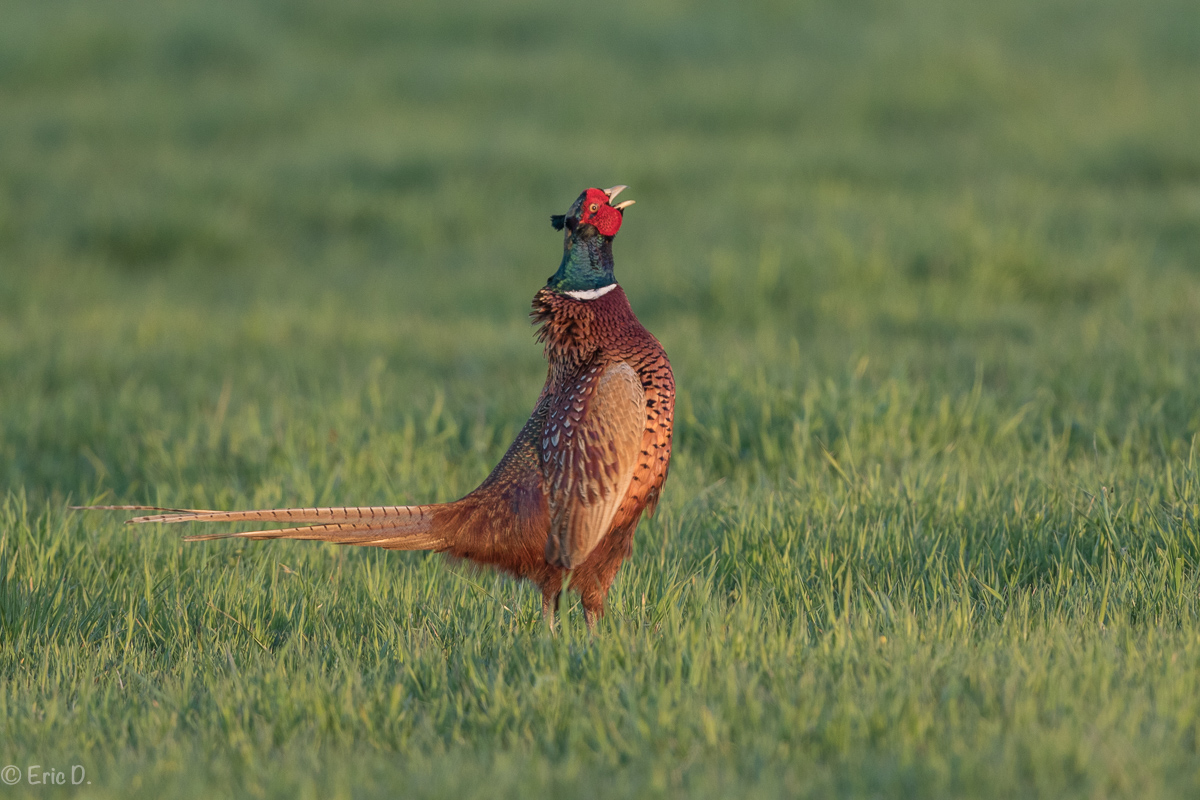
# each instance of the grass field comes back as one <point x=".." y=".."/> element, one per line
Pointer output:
<point x="929" y="276"/>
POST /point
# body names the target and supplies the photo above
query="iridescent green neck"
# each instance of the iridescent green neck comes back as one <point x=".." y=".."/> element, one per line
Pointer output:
<point x="587" y="264"/>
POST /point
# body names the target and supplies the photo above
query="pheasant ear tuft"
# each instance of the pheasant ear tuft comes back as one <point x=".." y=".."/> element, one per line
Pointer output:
<point x="557" y="221"/>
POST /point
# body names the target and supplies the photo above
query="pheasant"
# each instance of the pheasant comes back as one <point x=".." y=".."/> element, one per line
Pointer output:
<point x="569" y="492"/>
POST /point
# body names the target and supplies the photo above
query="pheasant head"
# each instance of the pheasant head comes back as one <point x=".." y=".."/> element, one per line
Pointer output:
<point x="590" y="225"/>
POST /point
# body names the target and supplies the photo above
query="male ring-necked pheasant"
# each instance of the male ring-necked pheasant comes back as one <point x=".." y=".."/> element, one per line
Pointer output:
<point x="593" y="456"/>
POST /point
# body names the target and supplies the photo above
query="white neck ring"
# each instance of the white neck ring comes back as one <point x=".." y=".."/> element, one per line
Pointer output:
<point x="591" y="294"/>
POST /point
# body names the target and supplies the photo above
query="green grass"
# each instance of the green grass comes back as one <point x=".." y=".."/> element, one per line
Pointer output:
<point x="929" y="275"/>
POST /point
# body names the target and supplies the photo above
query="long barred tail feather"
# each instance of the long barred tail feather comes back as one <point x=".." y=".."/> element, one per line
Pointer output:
<point x="389" y="527"/>
<point x="346" y="514"/>
<point x="142" y="508"/>
<point x="388" y="537"/>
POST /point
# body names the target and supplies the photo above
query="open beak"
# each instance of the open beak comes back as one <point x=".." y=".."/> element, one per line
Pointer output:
<point x="612" y="195"/>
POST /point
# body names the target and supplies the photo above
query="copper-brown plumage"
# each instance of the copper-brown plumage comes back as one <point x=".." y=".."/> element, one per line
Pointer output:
<point x="569" y="492"/>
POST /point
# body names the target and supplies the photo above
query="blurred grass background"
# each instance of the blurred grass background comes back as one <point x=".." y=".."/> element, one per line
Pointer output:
<point x="929" y="274"/>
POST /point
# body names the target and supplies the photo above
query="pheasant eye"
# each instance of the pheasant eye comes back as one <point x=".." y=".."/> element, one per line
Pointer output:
<point x="593" y="208"/>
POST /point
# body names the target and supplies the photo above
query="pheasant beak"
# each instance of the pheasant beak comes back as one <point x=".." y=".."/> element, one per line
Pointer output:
<point x="612" y="195"/>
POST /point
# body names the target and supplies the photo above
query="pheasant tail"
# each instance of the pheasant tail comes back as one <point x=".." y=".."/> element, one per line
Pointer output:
<point x="388" y="527"/>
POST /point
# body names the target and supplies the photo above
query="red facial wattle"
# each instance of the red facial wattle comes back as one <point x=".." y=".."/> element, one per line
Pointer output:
<point x="605" y="218"/>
